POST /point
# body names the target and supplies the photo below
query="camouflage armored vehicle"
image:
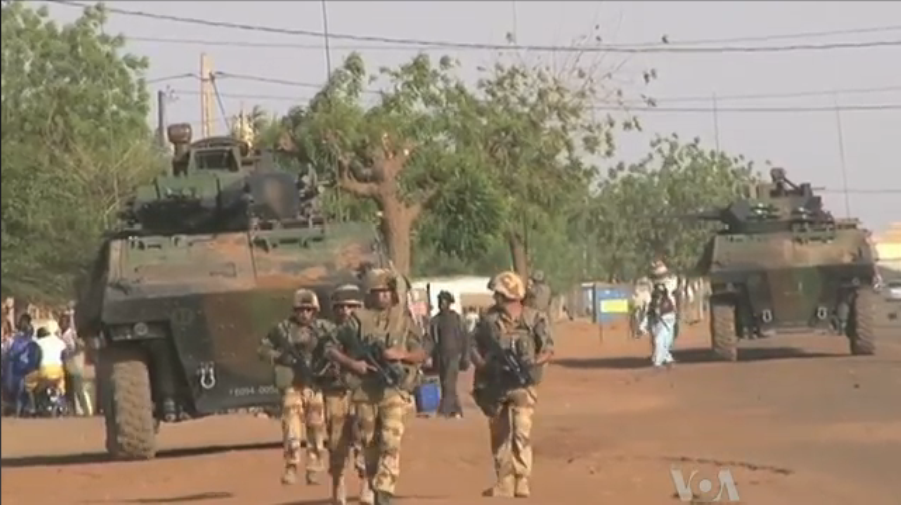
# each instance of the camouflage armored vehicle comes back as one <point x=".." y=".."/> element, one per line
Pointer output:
<point x="782" y="263"/>
<point x="204" y="263"/>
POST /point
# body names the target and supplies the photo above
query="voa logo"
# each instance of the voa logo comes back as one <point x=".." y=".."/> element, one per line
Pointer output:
<point x="700" y="488"/>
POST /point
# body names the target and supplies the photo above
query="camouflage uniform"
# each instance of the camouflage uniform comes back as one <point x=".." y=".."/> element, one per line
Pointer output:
<point x="343" y="438"/>
<point x="509" y="408"/>
<point x="539" y="295"/>
<point x="380" y="410"/>
<point x="302" y="404"/>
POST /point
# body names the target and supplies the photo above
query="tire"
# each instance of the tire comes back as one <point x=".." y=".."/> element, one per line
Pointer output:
<point x="863" y="321"/>
<point x="128" y="404"/>
<point x="723" y="336"/>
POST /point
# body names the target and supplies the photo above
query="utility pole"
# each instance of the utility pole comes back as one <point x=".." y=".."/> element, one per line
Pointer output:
<point x="841" y="155"/>
<point x="328" y="46"/>
<point x="515" y="22"/>
<point x="206" y="97"/>
<point x="339" y="200"/>
<point x="716" y="122"/>
<point x="161" y="100"/>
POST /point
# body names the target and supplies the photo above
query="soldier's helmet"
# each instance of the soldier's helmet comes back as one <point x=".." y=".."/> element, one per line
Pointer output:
<point x="538" y="276"/>
<point x="379" y="279"/>
<point x="306" y="299"/>
<point x="445" y="296"/>
<point x="347" y="294"/>
<point x="509" y="285"/>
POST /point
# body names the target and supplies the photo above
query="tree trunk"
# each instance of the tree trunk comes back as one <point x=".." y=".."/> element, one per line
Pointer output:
<point x="397" y="227"/>
<point x="518" y="254"/>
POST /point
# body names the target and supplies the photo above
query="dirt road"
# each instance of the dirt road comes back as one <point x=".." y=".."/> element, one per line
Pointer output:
<point x="811" y="427"/>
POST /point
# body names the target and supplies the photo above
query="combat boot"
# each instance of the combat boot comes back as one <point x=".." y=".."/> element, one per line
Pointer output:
<point x="503" y="488"/>
<point x="383" y="498"/>
<point x="312" y="478"/>
<point x="339" y="493"/>
<point x="290" y="475"/>
<point x="522" y="489"/>
<point x="366" y="495"/>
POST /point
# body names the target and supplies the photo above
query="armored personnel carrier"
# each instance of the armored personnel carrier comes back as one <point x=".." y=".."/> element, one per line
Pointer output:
<point x="782" y="263"/>
<point x="204" y="262"/>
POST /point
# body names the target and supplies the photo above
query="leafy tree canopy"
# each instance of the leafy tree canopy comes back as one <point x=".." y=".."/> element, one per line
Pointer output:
<point x="74" y="140"/>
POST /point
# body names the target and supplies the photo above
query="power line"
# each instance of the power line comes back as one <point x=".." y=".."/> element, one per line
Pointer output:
<point x="175" y="77"/>
<point x="753" y="96"/>
<point x="773" y="110"/>
<point x="624" y="108"/>
<point x="219" y="100"/>
<point x="634" y="49"/>
<point x="674" y="99"/>
<point x="420" y="47"/>
<point x="788" y="94"/>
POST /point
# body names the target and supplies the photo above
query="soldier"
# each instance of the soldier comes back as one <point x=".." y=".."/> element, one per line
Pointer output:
<point x="510" y="326"/>
<point x="661" y="315"/>
<point x="343" y="439"/>
<point x="295" y="338"/>
<point x="539" y="294"/>
<point x="380" y="406"/>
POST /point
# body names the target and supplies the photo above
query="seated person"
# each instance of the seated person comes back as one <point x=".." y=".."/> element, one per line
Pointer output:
<point x="52" y="350"/>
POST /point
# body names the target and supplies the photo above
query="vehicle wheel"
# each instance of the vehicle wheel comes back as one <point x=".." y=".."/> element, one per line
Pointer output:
<point x="862" y="324"/>
<point x="128" y="404"/>
<point x="722" y="331"/>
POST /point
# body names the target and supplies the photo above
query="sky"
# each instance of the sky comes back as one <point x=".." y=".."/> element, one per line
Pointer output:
<point x="807" y="143"/>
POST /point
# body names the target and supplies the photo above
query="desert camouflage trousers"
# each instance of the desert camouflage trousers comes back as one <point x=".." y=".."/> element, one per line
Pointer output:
<point x="303" y="419"/>
<point x="381" y="428"/>
<point x="343" y="434"/>
<point x="511" y="434"/>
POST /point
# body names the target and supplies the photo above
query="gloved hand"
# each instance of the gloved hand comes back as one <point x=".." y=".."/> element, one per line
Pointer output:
<point x="285" y="359"/>
<point x="464" y="364"/>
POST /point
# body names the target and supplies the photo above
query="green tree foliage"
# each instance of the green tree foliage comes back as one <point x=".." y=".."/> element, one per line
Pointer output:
<point x="540" y="137"/>
<point x="396" y="149"/>
<point x="460" y="171"/>
<point x="75" y="140"/>
<point x="640" y="212"/>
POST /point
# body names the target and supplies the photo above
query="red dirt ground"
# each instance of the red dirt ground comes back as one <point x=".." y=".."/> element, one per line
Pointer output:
<point x="811" y="427"/>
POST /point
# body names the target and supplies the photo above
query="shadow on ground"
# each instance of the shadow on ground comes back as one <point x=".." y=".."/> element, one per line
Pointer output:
<point x="102" y="457"/>
<point x="191" y="498"/>
<point x="353" y="499"/>
<point x="693" y="356"/>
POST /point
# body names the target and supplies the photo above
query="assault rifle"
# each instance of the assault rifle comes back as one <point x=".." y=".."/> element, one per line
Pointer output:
<point x="373" y="354"/>
<point x="307" y="373"/>
<point x="509" y="365"/>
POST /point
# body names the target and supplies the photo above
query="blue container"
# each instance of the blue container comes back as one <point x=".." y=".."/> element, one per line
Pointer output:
<point x="611" y="304"/>
<point x="428" y="396"/>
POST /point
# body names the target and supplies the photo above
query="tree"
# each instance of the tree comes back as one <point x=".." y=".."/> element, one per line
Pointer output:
<point x="541" y="133"/>
<point x="641" y="211"/>
<point x="74" y="141"/>
<point x="398" y="152"/>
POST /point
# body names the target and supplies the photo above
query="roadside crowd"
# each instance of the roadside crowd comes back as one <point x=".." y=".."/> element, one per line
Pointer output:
<point x="37" y="354"/>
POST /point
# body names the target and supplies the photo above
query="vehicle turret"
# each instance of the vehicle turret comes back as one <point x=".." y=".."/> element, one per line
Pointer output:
<point x="220" y="184"/>
<point x="778" y="205"/>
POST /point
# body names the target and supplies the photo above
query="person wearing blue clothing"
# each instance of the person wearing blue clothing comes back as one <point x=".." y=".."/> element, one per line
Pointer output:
<point x="22" y="358"/>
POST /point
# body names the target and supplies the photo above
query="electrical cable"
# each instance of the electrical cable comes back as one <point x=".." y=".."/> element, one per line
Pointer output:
<point x="662" y="48"/>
